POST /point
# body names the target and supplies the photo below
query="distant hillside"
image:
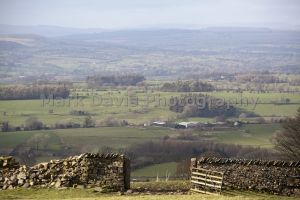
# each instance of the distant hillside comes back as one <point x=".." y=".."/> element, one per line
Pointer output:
<point x="50" y="31"/>
<point x="9" y="45"/>
<point x="152" y="53"/>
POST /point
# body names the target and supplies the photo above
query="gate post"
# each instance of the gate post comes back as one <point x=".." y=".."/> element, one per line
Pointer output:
<point x="193" y="163"/>
<point x="126" y="173"/>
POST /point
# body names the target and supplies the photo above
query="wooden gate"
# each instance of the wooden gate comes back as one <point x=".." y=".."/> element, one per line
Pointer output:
<point x="206" y="181"/>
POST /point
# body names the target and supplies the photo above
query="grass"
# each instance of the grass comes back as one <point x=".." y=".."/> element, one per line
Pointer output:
<point x="114" y="138"/>
<point x="84" y="139"/>
<point x="270" y="110"/>
<point x="253" y="134"/>
<point x="159" y="170"/>
<point x="120" y="137"/>
<point x="258" y="135"/>
<point x="97" y="139"/>
<point x="262" y="97"/>
<point x="178" y="185"/>
<point x="12" y="139"/>
<point x="151" y="106"/>
<point x="89" y="194"/>
<point x="265" y="102"/>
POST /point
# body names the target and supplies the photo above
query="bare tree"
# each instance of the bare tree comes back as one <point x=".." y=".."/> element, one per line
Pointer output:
<point x="5" y="126"/>
<point x="39" y="141"/>
<point x="88" y="122"/>
<point x="287" y="141"/>
<point x="183" y="169"/>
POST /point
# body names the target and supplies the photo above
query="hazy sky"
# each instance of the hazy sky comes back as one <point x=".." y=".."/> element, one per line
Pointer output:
<point x="147" y="13"/>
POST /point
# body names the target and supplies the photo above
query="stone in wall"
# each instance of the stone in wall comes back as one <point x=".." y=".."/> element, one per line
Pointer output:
<point x="7" y="166"/>
<point x="274" y="177"/>
<point x="110" y="172"/>
<point x="8" y="162"/>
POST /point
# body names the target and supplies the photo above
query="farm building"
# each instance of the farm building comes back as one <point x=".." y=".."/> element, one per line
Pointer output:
<point x="186" y="124"/>
<point x="158" y="123"/>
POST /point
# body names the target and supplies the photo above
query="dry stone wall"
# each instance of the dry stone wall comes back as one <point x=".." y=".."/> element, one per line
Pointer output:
<point x="275" y="177"/>
<point x="110" y="172"/>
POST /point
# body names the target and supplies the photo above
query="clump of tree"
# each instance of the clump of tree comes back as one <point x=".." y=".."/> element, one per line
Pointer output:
<point x="79" y="112"/>
<point x="295" y="82"/>
<point x="33" y="123"/>
<point x="66" y="124"/>
<point x="5" y="126"/>
<point x="39" y="141"/>
<point x="201" y="106"/>
<point x="112" y="122"/>
<point x="88" y="122"/>
<point x="258" y="78"/>
<point x="114" y="80"/>
<point x="17" y="92"/>
<point x="187" y="86"/>
<point x="287" y="141"/>
<point x="247" y="114"/>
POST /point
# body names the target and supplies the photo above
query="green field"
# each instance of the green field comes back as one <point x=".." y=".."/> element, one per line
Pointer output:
<point x="150" y="106"/>
<point x="266" y="106"/>
<point x="114" y="138"/>
<point x="118" y="137"/>
<point x="158" y="170"/>
<point x="92" y="139"/>
<point x="258" y="135"/>
<point x="89" y="194"/>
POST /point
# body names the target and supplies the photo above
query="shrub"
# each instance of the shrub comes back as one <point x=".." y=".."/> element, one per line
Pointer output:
<point x="67" y="124"/>
<point x="88" y="122"/>
<point x="187" y="86"/>
<point x="79" y="112"/>
<point x="220" y="118"/>
<point x="33" y="123"/>
<point x="112" y="122"/>
<point x="260" y="120"/>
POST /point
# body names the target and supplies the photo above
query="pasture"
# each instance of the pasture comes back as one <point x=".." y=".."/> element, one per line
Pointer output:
<point x="88" y="194"/>
<point x="120" y="137"/>
<point x="113" y="137"/>
<point x="258" y="135"/>
<point x="137" y="106"/>
<point x="116" y="138"/>
<point x="158" y="170"/>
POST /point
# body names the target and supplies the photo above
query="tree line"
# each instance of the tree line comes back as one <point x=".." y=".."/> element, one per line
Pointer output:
<point x="259" y="78"/>
<point x="187" y="86"/>
<point x="170" y="150"/>
<point x="114" y="80"/>
<point x="18" y="92"/>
